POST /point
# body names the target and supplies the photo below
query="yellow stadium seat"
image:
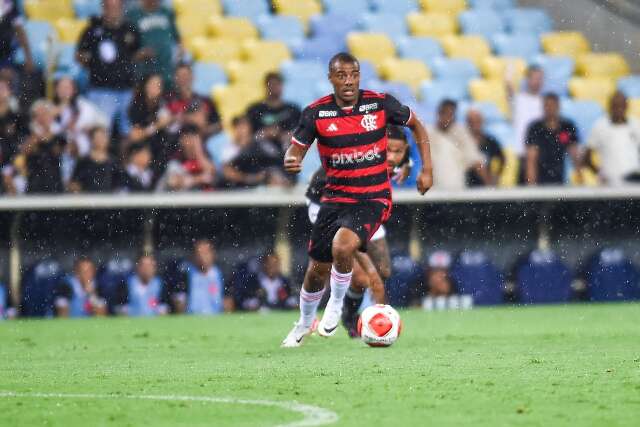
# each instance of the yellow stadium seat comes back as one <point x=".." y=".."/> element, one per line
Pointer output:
<point x="191" y="26"/>
<point x="602" y="65"/>
<point x="511" y="169"/>
<point x="232" y="27"/>
<point x="218" y="50"/>
<point x="505" y="68"/>
<point x="451" y="7"/>
<point x="409" y="71"/>
<point x="373" y="47"/>
<point x="597" y="89"/>
<point x="48" y="10"/>
<point x="197" y="7"/>
<point x="634" y="108"/>
<point x="303" y="9"/>
<point x="267" y="52"/>
<point x="70" y="30"/>
<point x="249" y="73"/>
<point x="474" y="48"/>
<point x="432" y="24"/>
<point x="233" y="100"/>
<point x="565" y="43"/>
<point x="494" y="91"/>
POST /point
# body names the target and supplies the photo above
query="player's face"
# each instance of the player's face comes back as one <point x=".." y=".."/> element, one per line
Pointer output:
<point x="446" y="117"/>
<point x="396" y="150"/>
<point x="147" y="268"/>
<point x="551" y="108"/>
<point x="205" y="255"/>
<point x="272" y="266"/>
<point x="439" y="284"/>
<point x="85" y="271"/>
<point x="345" y="78"/>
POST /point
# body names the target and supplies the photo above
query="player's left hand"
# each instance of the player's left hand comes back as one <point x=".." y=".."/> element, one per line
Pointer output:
<point x="424" y="181"/>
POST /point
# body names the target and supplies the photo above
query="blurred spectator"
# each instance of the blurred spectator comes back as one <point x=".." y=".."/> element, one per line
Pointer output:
<point x="398" y="154"/>
<point x="12" y="28"/>
<point x="143" y="293"/>
<point x="97" y="172"/>
<point x="156" y="25"/>
<point x="108" y="48"/>
<point x="616" y="141"/>
<point x="150" y="119"/>
<point x="190" y="169"/>
<point x="489" y="147"/>
<point x="526" y="107"/>
<point x="274" y="119"/>
<point x="7" y="311"/>
<point x="43" y="151"/>
<point x="191" y="108"/>
<point x="439" y="286"/>
<point x="454" y="151"/>
<point x="77" y="295"/>
<point x="137" y="175"/>
<point x="548" y="141"/>
<point x="250" y="161"/>
<point x="12" y="130"/>
<point x="268" y="289"/>
<point x="201" y="290"/>
<point x="76" y="116"/>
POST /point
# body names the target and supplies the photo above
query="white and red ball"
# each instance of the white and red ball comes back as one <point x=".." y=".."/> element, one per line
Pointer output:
<point x="379" y="325"/>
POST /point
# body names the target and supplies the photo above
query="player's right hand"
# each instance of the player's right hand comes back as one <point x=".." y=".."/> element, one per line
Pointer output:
<point x="292" y="164"/>
<point x="424" y="182"/>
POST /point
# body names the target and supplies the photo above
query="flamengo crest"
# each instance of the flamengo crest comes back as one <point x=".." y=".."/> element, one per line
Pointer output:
<point x="369" y="122"/>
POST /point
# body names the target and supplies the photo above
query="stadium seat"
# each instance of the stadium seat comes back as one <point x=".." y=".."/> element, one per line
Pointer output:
<point x="233" y="100"/>
<point x="544" y="278"/>
<point x="269" y="53"/>
<point x="391" y="24"/>
<point x="284" y="28"/>
<point x="249" y="72"/>
<point x="373" y="47"/>
<point x="494" y="91"/>
<point x="435" y="91"/>
<point x="583" y="113"/>
<point x="473" y="48"/>
<point x="247" y="8"/>
<point x="368" y="71"/>
<point x="232" y="28"/>
<point x="634" y="108"/>
<point x="565" y="43"/>
<point x="426" y="49"/>
<point x="205" y="8"/>
<point x="630" y="86"/>
<point x="86" y="8"/>
<point x="401" y="8"/>
<point x="41" y="34"/>
<point x="557" y="72"/>
<point x="320" y="48"/>
<point x="526" y="46"/>
<point x="38" y="284"/>
<point x="411" y="72"/>
<point x="310" y="164"/>
<point x="218" y="50"/>
<point x="303" y="70"/>
<point x="216" y="146"/>
<point x="511" y="171"/>
<point x="608" y="64"/>
<point x="207" y="75"/>
<point x="331" y="26"/>
<point x="110" y="275"/>
<point x="489" y="110"/>
<point x="450" y="7"/>
<point x="611" y="276"/>
<point x="48" y="10"/>
<point x="432" y="24"/>
<point x="504" y="68"/>
<point x="399" y="90"/>
<point x="595" y="89"/>
<point x="70" y="30"/>
<point x="484" y="22"/>
<point x="454" y="69"/>
<point x="501" y="131"/>
<point x="474" y="274"/>
<point x="406" y="274"/>
<point x="299" y="92"/>
<point x="191" y="27"/>
<point x="527" y="20"/>
<point x="67" y="65"/>
<point x="349" y="8"/>
<point x="302" y="9"/>
<point x="492" y="4"/>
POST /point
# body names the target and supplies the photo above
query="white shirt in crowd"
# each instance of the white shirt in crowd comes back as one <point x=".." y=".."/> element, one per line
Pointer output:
<point x="453" y="152"/>
<point x="526" y="108"/>
<point x="618" y="145"/>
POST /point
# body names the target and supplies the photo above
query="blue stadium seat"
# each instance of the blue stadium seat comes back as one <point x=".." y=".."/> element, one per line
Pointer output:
<point x="68" y="65"/>
<point x="367" y="71"/>
<point x="284" y="28"/>
<point x="320" y="48"/>
<point x="611" y="276"/>
<point x="247" y="8"/>
<point x="503" y="132"/>
<point x="207" y="75"/>
<point x="426" y="49"/>
<point x="489" y="111"/>
<point x="492" y="4"/>
<point x="406" y="274"/>
<point x="348" y="8"/>
<point x="303" y="70"/>
<point x="526" y="46"/>
<point x="393" y="25"/>
<point x="474" y="274"/>
<point x="299" y="92"/>
<point x="434" y="91"/>
<point x="402" y="8"/>
<point x="401" y="91"/>
<point x="110" y="275"/>
<point x="583" y="113"/>
<point x="484" y="22"/>
<point x="330" y="25"/>
<point x="87" y="8"/>
<point x="528" y="20"/>
<point x="543" y="278"/>
<point x="38" y="285"/>
<point x="557" y="72"/>
<point x="40" y="34"/>
<point x="310" y="165"/>
<point x="630" y="86"/>
<point x="215" y="147"/>
<point x="454" y="69"/>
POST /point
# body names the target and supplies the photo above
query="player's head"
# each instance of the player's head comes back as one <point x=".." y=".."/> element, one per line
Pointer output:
<point x="618" y="107"/>
<point x="146" y="267"/>
<point x="271" y="265"/>
<point x="397" y="146"/>
<point x="447" y="113"/>
<point x="535" y="79"/>
<point x="273" y="83"/>
<point x="84" y="269"/>
<point x="204" y="254"/>
<point x="344" y="75"/>
<point x="551" y="106"/>
<point x="438" y="281"/>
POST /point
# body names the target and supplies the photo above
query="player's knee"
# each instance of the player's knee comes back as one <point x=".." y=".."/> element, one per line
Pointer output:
<point x="361" y="281"/>
<point x="385" y="271"/>
<point x="344" y="248"/>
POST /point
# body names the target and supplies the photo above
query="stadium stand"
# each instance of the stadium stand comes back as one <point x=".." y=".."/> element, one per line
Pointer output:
<point x="611" y="276"/>
<point x="38" y="284"/>
<point x="544" y="278"/>
<point x="474" y="274"/>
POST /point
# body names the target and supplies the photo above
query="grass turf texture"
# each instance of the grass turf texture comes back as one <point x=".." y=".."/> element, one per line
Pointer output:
<point x="562" y="365"/>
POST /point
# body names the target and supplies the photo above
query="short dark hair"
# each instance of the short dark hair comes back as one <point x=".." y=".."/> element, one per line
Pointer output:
<point x="273" y="75"/>
<point x="189" y="129"/>
<point x="533" y="68"/>
<point x="396" y="132"/>
<point x="96" y="129"/>
<point x="551" y="96"/>
<point x="447" y="102"/>
<point x="82" y="259"/>
<point x="136" y="148"/>
<point x="184" y="64"/>
<point x="237" y="119"/>
<point x="343" y="57"/>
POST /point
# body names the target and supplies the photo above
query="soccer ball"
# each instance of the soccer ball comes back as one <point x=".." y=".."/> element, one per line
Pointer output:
<point x="379" y="325"/>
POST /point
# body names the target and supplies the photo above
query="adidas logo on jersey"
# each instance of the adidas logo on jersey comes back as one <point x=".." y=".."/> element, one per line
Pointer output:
<point x="332" y="128"/>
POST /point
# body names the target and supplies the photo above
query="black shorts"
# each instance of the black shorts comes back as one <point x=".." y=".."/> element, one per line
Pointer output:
<point x="363" y="218"/>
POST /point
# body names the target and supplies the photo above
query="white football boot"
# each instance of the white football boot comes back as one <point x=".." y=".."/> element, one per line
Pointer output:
<point x="330" y="321"/>
<point x="296" y="336"/>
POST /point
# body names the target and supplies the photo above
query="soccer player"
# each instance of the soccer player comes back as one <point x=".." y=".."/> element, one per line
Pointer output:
<point x="350" y="127"/>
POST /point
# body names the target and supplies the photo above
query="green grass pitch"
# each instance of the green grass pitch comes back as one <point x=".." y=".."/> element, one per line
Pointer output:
<point x="573" y="365"/>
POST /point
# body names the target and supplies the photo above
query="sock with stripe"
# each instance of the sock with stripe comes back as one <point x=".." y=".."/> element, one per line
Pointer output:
<point x="309" y="302"/>
<point x="339" y="284"/>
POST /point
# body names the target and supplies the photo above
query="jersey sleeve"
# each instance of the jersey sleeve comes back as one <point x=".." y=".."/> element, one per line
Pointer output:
<point x="305" y="133"/>
<point x="397" y="113"/>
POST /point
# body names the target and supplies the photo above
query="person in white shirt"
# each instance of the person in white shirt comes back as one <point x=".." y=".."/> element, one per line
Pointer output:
<point x="526" y="106"/>
<point x="454" y="151"/>
<point x="616" y="140"/>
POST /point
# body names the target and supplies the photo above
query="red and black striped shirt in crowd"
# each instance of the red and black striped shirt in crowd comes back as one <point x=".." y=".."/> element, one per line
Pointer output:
<point x="353" y="144"/>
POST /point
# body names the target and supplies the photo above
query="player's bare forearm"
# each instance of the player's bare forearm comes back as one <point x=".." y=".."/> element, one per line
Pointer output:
<point x="293" y="158"/>
<point x="532" y="165"/>
<point x="425" y="177"/>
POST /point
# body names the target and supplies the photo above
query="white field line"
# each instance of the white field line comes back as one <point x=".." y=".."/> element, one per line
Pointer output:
<point x="313" y="415"/>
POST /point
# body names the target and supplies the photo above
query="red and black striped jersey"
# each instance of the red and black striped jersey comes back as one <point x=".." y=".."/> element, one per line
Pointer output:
<point x="352" y="144"/>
